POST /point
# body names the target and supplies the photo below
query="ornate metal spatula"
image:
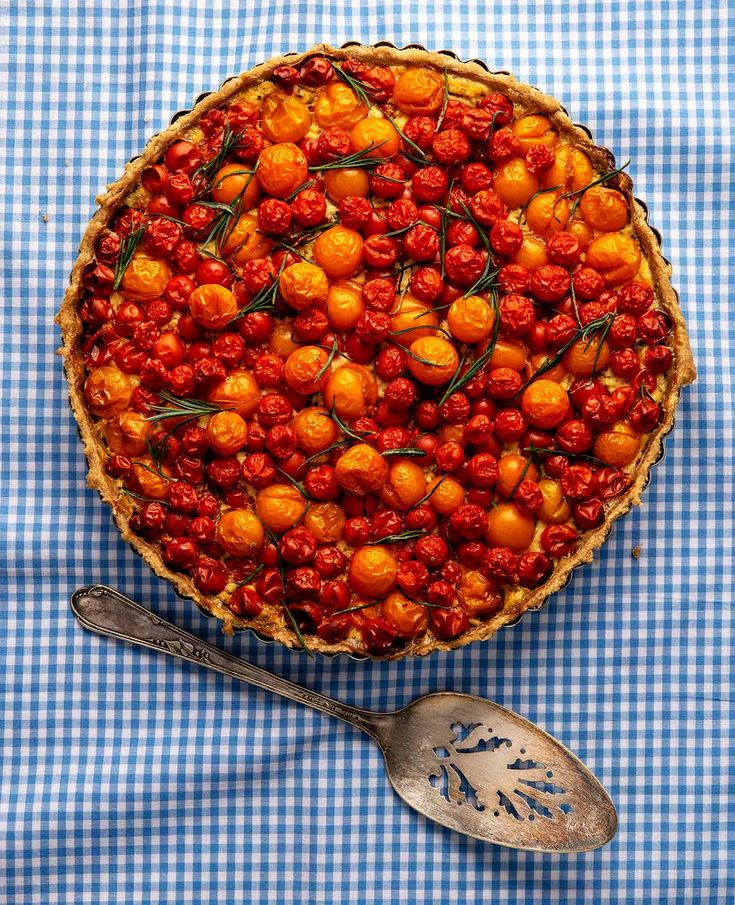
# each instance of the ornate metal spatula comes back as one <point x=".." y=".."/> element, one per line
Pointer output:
<point x="462" y="761"/>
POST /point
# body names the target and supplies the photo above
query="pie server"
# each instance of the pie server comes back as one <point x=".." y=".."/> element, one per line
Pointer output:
<point x="462" y="761"/>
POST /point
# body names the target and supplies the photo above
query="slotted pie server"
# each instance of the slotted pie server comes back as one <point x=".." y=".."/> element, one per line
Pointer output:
<point x="462" y="761"/>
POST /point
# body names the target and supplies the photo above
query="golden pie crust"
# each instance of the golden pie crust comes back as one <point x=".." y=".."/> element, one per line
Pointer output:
<point x="269" y="623"/>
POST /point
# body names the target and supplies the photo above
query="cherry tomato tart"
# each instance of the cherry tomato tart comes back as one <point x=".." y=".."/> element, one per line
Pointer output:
<point x="369" y="349"/>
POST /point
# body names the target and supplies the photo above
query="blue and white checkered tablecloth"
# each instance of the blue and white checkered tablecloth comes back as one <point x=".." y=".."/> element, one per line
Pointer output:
<point x="129" y="777"/>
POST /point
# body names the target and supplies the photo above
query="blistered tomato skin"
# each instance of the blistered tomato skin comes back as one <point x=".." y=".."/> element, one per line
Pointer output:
<point x="378" y="359"/>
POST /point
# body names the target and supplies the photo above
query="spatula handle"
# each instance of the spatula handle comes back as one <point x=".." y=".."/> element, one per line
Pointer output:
<point x="104" y="610"/>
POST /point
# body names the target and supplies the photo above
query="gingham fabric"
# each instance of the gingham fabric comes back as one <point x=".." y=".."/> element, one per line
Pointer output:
<point x="130" y="777"/>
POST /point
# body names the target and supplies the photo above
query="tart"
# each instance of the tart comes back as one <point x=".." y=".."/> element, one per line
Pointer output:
<point x="370" y="348"/>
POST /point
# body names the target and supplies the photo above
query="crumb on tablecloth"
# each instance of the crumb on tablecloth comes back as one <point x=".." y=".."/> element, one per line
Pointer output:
<point x="636" y="552"/>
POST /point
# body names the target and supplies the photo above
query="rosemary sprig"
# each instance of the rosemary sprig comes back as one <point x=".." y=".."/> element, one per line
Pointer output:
<point x="282" y="572"/>
<point x="342" y="426"/>
<point x="206" y="171"/>
<point x="587" y="333"/>
<point x="578" y="193"/>
<point x="137" y="496"/>
<point x="178" y="407"/>
<point x="297" y="484"/>
<point x="522" y="214"/>
<point x="545" y="451"/>
<point x="127" y="250"/>
<point x="412" y="534"/>
<point x="521" y="478"/>
<point x="433" y="490"/>
<point x="253" y="575"/>
<point x="486" y="280"/>
<point x="459" y="379"/>
<point x="306" y="235"/>
<point x="323" y="370"/>
<point x="360" y="88"/>
<point x="304" y="185"/>
<point x="263" y="300"/>
<point x="422" y="327"/>
<point x="445" y="101"/>
<point x="354" y="609"/>
<point x="326" y="451"/>
<point x="424" y="361"/>
<point x="405" y="451"/>
<point x="357" y="160"/>
<point x="422" y="158"/>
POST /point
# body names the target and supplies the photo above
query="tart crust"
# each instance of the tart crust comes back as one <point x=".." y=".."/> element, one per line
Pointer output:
<point x="681" y="373"/>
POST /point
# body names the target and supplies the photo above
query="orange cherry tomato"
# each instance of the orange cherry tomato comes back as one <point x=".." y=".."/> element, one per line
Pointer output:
<point x="471" y="319"/>
<point x="213" y="306"/>
<point x="534" y="129"/>
<point x="451" y="433"/>
<point x="227" y="433"/>
<point x="510" y="526"/>
<point x="145" y="277"/>
<point x="240" y="532"/>
<point x="409" y="618"/>
<point x="284" y="118"/>
<point x="586" y="357"/>
<point x="617" y="446"/>
<point x="554" y="510"/>
<point x="107" y="391"/>
<point x="447" y="494"/>
<point x="372" y="571"/>
<point x="479" y="596"/>
<point x="514" y="182"/>
<point x="341" y="183"/>
<point x="344" y="305"/>
<point x="244" y="242"/>
<point x="581" y="232"/>
<point x="337" y="105"/>
<point x="351" y="390"/>
<point x="545" y="403"/>
<point x="232" y="181"/>
<point x="135" y="430"/>
<point x="325" y="521"/>
<point x="433" y="360"/>
<point x="280" y="507"/>
<point x="532" y="254"/>
<point x="511" y="467"/>
<point x="361" y="469"/>
<point x="303" y="284"/>
<point x="306" y="370"/>
<point x="153" y="481"/>
<point x="406" y="485"/>
<point x="338" y="251"/>
<point x="282" y="168"/>
<point x="419" y="91"/>
<point x="237" y="391"/>
<point x="281" y="341"/>
<point x="415" y="317"/>
<point x="547" y="213"/>
<point x="605" y="209"/>
<point x="571" y="170"/>
<point x="378" y="134"/>
<point x="315" y="430"/>
<point x="507" y="354"/>
<point x="616" y="256"/>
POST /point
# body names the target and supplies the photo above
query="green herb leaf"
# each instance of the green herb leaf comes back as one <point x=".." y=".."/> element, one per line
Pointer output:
<point x="357" y="160"/>
<point x="412" y="534"/>
<point x="127" y="249"/>
<point x="405" y="451"/>
<point x="178" y="407"/>
<point x="587" y="333"/>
